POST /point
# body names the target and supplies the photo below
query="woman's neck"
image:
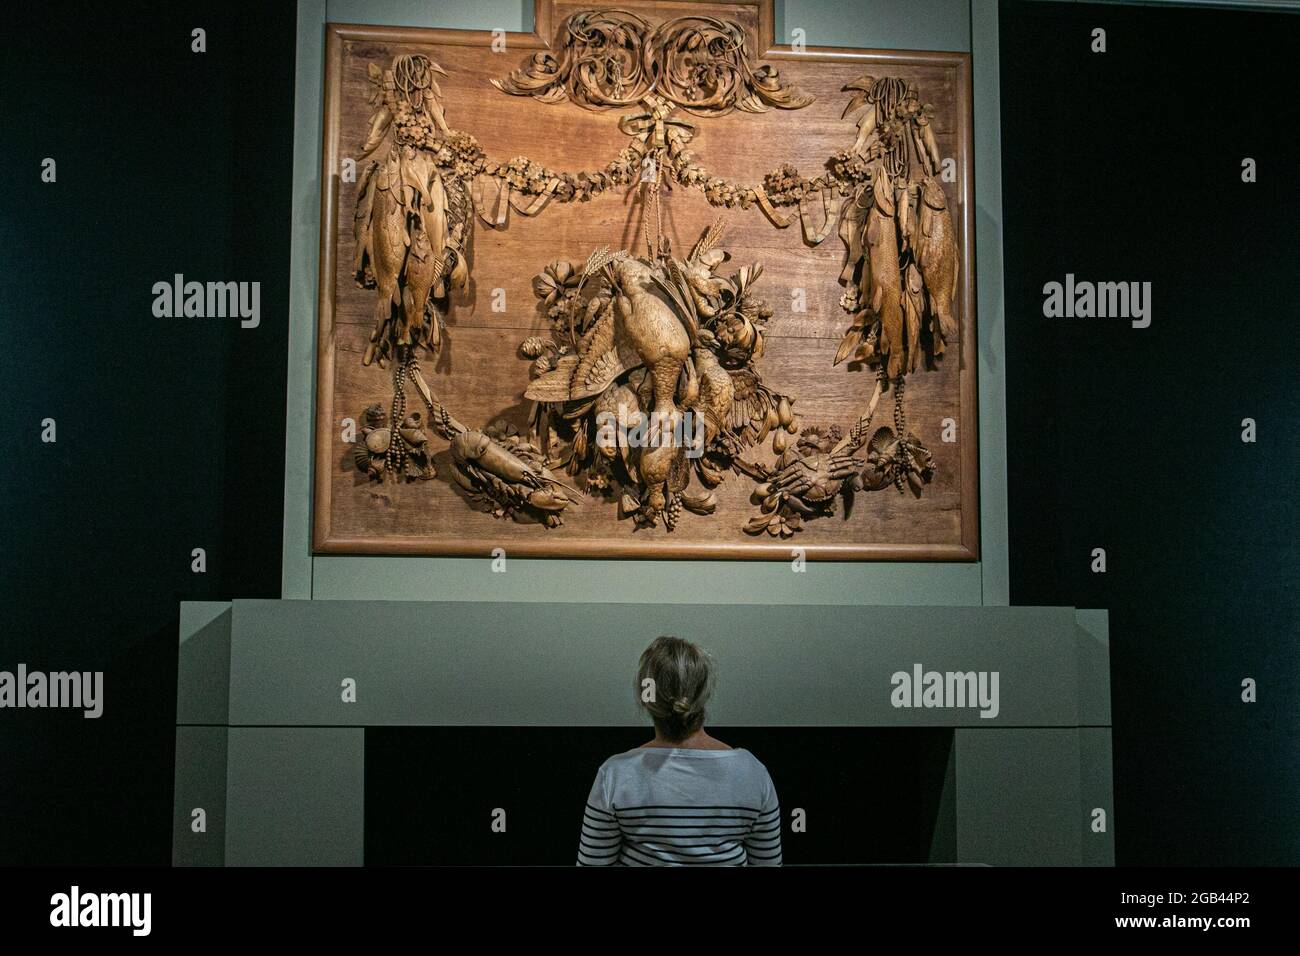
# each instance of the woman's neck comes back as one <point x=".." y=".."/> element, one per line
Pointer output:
<point x="700" y="740"/>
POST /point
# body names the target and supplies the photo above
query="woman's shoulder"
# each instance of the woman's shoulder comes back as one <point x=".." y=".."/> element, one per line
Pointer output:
<point x="640" y="755"/>
<point x="737" y="766"/>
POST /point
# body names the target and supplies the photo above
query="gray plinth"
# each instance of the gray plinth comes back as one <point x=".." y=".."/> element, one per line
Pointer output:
<point x="270" y="741"/>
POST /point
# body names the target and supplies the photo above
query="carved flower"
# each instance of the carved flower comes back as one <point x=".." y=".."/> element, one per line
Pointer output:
<point x="516" y="171"/>
<point x="532" y="178"/>
<point x="466" y="146"/>
<point x="737" y="333"/>
<point x="774" y="519"/>
<point x="551" y="284"/>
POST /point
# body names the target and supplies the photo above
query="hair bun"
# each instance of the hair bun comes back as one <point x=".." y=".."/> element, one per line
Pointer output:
<point x="682" y="705"/>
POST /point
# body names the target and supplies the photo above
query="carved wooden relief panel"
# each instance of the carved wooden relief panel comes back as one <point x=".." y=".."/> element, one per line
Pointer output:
<point x="643" y="284"/>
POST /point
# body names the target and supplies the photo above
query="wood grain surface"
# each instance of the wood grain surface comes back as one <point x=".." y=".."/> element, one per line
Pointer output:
<point x="481" y="374"/>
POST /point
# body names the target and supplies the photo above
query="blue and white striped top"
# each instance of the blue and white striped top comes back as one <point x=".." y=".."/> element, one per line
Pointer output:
<point x="661" y="806"/>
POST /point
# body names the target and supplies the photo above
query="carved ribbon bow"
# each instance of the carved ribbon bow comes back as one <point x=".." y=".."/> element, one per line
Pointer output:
<point x="653" y="130"/>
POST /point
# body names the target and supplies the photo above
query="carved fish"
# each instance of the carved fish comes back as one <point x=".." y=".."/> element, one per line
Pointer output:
<point x="852" y="227"/>
<point x="930" y="148"/>
<point x="936" y="246"/>
<point x="903" y="203"/>
<point x="423" y="269"/>
<point x="379" y="126"/>
<point x="883" y="291"/>
<point x="869" y="118"/>
<point x="913" y="314"/>
<point x="361" y="222"/>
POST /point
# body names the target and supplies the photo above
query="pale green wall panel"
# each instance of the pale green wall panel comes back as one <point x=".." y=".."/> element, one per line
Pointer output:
<point x="282" y="777"/>
<point x="481" y="663"/>
<point x="203" y="663"/>
<point x="878" y="24"/>
<point x="675" y="582"/>
<point x="989" y="305"/>
<point x="1097" y="789"/>
<point x="304" y="248"/>
<point x="510" y="15"/>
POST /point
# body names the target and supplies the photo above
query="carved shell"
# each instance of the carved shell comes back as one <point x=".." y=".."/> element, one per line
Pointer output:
<point x="881" y="440"/>
<point x="414" y="436"/>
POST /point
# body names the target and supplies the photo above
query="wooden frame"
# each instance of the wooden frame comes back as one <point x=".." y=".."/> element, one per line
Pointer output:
<point x="621" y="544"/>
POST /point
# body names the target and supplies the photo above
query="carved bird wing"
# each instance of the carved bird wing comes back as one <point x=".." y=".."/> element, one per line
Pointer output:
<point x="621" y="358"/>
<point x="553" y="386"/>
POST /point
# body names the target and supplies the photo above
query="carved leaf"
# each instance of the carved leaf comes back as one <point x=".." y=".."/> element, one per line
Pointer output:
<point x="849" y="344"/>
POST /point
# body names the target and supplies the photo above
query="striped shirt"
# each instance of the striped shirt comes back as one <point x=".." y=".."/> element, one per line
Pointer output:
<point x="660" y="806"/>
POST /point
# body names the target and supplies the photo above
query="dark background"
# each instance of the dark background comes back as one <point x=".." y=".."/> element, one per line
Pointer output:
<point x="170" y="431"/>
<point x="1127" y="166"/>
<point x="430" y="791"/>
<point x="1121" y="166"/>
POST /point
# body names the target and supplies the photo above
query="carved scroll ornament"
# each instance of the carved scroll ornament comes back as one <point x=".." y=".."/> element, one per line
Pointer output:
<point x="611" y="58"/>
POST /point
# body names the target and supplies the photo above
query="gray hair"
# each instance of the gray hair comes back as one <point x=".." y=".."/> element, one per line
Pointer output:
<point x="683" y="679"/>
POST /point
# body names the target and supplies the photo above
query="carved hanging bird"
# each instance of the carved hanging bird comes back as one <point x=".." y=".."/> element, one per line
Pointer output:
<point x="412" y="223"/>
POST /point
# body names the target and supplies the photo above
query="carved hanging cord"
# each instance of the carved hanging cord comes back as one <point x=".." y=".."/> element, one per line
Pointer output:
<point x="656" y="339"/>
